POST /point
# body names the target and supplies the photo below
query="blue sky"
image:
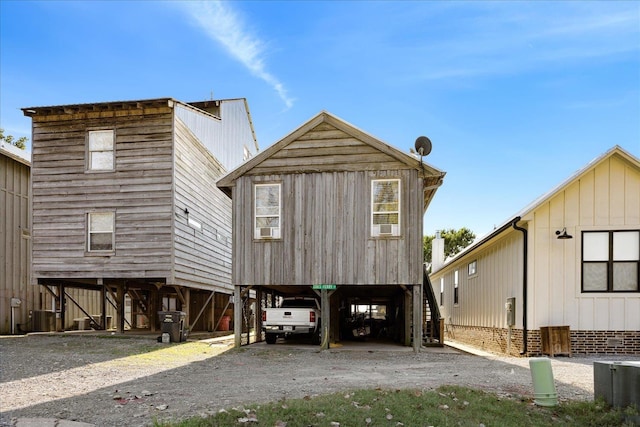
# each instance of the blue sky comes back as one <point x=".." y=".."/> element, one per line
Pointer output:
<point x="515" y="96"/>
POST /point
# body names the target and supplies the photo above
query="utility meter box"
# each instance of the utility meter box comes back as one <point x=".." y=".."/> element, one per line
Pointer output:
<point x="510" y="307"/>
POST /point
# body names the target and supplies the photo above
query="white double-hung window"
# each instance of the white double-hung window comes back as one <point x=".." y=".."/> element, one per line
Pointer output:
<point x="101" y="152"/>
<point x="267" y="211"/>
<point x="385" y="207"/>
<point x="100" y="231"/>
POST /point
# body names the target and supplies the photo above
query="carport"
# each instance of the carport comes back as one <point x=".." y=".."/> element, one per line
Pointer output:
<point x="376" y="313"/>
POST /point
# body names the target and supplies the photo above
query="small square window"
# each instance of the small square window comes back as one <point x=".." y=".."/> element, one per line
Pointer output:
<point x="101" y="150"/>
<point x="100" y="235"/>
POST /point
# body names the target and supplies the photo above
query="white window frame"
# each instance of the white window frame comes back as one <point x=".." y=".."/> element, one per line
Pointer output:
<point x="472" y="268"/>
<point x="92" y="151"/>
<point x="106" y="230"/>
<point x="610" y="250"/>
<point x="385" y="229"/>
<point x="261" y="232"/>
<point x="456" y="289"/>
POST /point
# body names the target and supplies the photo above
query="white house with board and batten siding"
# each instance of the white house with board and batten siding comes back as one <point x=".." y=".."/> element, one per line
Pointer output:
<point x="561" y="276"/>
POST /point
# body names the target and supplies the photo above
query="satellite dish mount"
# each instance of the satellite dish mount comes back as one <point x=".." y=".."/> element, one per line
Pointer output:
<point x="423" y="146"/>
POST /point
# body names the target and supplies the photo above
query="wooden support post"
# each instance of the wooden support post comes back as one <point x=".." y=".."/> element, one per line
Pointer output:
<point x="60" y="309"/>
<point x="417" y="317"/>
<point x="237" y="316"/>
<point x="103" y="302"/>
<point x="153" y="308"/>
<point x="120" y="306"/>
<point x="407" y="318"/>
<point x="212" y="314"/>
<point x="258" y="314"/>
<point x="325" y="316"/>
<point x="187" y="307"/>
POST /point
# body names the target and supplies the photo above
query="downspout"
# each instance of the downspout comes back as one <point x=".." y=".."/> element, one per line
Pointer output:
<point x="524" y="283"/>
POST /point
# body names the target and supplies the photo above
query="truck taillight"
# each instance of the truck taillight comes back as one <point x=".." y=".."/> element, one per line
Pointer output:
<point x="312" y="316"/>
<point x="264" y="316"/>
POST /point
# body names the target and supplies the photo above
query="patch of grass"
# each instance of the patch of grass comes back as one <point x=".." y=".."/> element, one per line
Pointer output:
<point x="446" y="406"/>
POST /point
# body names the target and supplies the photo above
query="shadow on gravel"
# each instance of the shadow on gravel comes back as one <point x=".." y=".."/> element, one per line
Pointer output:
<point x="27" y="356"/>
<point x="258" y="373"/>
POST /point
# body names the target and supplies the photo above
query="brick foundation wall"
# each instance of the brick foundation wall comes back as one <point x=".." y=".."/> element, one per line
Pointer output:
<point x="495" y="340"/>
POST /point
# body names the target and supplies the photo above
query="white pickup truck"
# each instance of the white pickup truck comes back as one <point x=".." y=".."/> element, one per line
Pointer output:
<point x="296" y="315"/>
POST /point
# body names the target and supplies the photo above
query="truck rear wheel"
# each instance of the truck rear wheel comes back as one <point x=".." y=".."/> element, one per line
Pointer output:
<point x="270" y="338"/>
<point x="316" y="337"/>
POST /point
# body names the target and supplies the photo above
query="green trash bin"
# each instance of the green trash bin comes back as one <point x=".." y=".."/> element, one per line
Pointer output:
<point x="544" y="389"/>
<point x="172" y="323"/>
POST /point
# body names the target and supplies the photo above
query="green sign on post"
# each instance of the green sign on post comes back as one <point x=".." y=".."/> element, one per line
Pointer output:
<point x="324" y="286"/>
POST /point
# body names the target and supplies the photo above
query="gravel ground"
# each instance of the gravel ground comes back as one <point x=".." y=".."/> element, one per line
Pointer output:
<point x="132" y="381"/>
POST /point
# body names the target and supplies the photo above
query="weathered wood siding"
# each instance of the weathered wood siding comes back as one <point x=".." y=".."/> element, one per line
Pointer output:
<point x="606" y="197"/>
<point x="139" y="190"/>
<point x="15" y="242"/>
<point x="326" y="188"/>
<point x="202" y="256"/>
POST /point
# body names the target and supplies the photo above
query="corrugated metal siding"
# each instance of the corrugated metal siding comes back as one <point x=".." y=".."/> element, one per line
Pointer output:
<point x="15" y="242"/>
<point x="226" y="137"/>
<point x="202" y="256"/>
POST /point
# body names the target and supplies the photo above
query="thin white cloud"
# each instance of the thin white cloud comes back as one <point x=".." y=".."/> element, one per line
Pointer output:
<point x="221" y="23"/>
<point x="504" y="38"/>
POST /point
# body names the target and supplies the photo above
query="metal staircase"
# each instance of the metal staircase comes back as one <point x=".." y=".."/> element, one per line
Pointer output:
<point x="432" y="331"/>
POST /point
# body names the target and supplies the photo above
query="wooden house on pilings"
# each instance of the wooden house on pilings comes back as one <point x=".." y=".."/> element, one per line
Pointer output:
<point x="331" y="211"/>
<point x="125" y="206"/>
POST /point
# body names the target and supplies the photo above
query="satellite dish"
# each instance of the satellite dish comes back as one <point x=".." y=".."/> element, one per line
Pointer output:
<point x="423" y="145"/>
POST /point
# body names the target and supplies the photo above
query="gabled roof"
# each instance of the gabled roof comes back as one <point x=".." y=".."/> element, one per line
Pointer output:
<point x="614" y="151"/>
<point x="433" y="176"/>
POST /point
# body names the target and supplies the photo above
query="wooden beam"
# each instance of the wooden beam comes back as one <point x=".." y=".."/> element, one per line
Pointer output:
<point x="61" y="308"/>
<point x="180" y="296"/>
<point x="120" y="304"/>
<point x="91" y="319"/>
<point x="201" y="311"/>
<point x="237" y="316"/>
<point x="407" y="319"/>
<point x="417" y="317"/>
<point x="245" y="291"/>
<point x="215" y="328"/>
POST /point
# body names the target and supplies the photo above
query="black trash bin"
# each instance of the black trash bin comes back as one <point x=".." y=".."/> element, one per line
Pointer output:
<point x="173" y="323"/>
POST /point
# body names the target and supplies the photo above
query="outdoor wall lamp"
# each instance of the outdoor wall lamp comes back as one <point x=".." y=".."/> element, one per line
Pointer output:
<point x="562" y="234"/>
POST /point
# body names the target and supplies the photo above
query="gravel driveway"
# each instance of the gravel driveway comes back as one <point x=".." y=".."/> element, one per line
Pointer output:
<point x="118" y="381"/>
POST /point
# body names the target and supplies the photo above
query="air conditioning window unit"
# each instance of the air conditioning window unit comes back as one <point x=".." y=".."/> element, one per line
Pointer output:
<point x="266" y="232"/>
<point x="386" y="228"/>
